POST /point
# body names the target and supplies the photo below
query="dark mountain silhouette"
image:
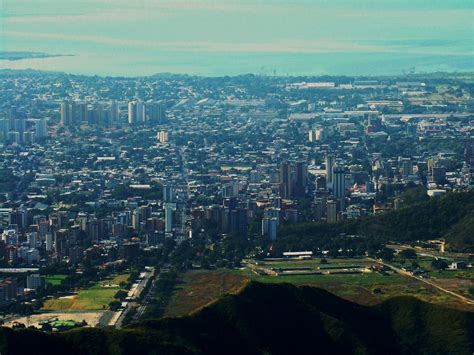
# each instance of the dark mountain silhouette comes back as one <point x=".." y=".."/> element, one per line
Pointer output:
<point x="272" y="319"/>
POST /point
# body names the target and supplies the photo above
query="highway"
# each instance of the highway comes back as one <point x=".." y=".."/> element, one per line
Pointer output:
<point x="135" y="292"/>
<point x="148" y="297"/>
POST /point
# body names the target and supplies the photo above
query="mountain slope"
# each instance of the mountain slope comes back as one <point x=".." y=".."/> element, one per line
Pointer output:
<point x="450" y="217"/>
<point x="272" y="319"/>
<point x="461" y="235"/>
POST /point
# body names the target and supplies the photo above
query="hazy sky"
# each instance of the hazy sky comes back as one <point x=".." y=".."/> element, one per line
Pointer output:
<point x="79" y="27"/>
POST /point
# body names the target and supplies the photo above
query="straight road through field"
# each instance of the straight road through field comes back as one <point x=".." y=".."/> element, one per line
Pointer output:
<point x="431" y="283"/>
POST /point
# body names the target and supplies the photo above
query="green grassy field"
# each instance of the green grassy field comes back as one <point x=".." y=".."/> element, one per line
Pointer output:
<point x="359" y="279"/>
<point x="197" y="288"/>
<point x="459" y="281"/>
<point x="316" y="264"/>
<point x="55" y="280"/>
<point x="116" y="280"/>
<point x="94" y="298"/>
<point x="447" y="274"/>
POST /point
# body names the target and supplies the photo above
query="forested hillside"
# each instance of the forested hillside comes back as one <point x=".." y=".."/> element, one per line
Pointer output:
<point x="450" y="217"/>
<point x="272" y="319"/>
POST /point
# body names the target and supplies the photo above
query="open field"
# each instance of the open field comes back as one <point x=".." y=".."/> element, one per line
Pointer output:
<point x="96" y="297"/>
<point x="199" y="287"/>
<point x="360" y="288"/>
<point x="92" y="318"/>
<point x="116" y="280"/>
<point x="459" y="281"/>
<point x="316" y="264"/>
<point x="55" y="280"/>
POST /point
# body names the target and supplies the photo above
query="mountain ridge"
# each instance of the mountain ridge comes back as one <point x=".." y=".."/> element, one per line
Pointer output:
<point x="273" y="319"/>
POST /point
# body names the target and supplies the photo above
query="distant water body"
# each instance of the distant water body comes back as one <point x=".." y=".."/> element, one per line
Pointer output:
<point x="215" y="38"/>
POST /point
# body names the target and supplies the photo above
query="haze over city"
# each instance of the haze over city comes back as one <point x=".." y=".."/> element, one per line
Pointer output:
<point x="238" y="37"/>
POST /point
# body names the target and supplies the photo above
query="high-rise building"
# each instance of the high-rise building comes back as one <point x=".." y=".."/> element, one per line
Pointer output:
<point x="286" y="179"/>
<point x="100" y="115"/>
<point x="14" y="137"/>
<point x="339" y="182"/>
<point x="19" y="217"/>
<point x="35" y="281"/>
<point x="32" y="239"/>
<point x="331" y="213"/>
<point x="132" y="113"/>
<point x="270" y="227"/>
<point x="8" y="289"/>
<point x="141" y="116"/>
<point x="49" y="241"/>
<point x="156" y="112"/>
<point x="273" y="212"/>
<point x="438" y="174"/>
<point x="41" y="128"/>
<point x="317" y="134"/>
<point x="301" y="179"/>
<point x="318" y="209"/>
<point x="82" y="112"/>
<point x="3" y="128"/>
<point x="468" y="152"/>
<point x="12" y="115"/>
<point x="67" y="113"/>
<point x="114" y="112"/>
<point x="95" y="115"/>
<point x="168" y="193"/>
<point x="329" y="170"/>
<point x="28" y="137"/>
<point x="169" y="212"/>
<point x="293" y="179"/>
<point x="61" y="243"/>
<point x="136" y="112"/>
<point x="238" y="221"/>
<point x="162" y="136"/>
<point x="73" y="113"/>
<point x="406" y="167"/>
<point x="230" y="202"/>
<point x="93" y="230"/>
<point x="20" y="126"/>
<point x="321" y="134"/>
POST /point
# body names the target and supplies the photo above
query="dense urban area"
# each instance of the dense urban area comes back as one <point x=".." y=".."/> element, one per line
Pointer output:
<point x="123" y="199"/>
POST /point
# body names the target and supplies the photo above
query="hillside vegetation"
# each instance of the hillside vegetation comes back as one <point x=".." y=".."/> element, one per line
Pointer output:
<point x="272" y="319"/>
<point x="450" y="217"/>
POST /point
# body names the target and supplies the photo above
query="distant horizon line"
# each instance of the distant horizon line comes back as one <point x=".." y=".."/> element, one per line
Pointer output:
<point x="428" y="73"/>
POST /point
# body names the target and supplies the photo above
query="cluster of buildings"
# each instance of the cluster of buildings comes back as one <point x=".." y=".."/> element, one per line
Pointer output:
<point x="11" y="290"/>
<point x="124" y="164"/>
<point x="74" y="114"/>
<point x="18" y="129"/>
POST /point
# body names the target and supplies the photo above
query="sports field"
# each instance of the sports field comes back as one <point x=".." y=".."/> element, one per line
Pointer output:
<point x="55" y="280"/>
<point x="96" y="297"/>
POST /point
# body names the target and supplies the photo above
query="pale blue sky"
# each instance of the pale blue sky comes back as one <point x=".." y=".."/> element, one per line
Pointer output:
<point x="86" y="27"/>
